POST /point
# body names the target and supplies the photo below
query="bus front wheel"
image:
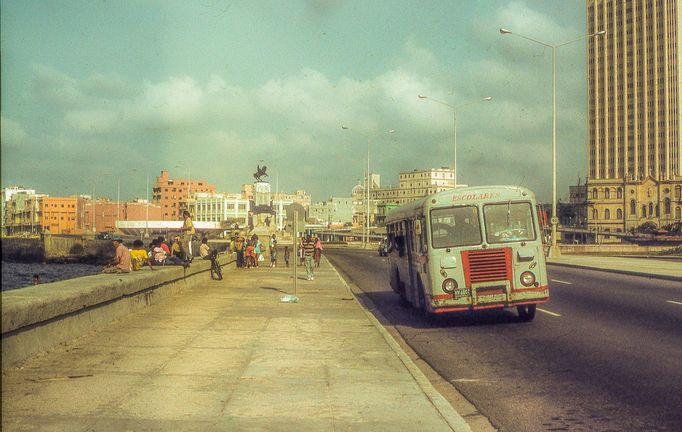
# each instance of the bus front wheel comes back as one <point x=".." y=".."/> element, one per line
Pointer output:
<point x="526" y="312"/>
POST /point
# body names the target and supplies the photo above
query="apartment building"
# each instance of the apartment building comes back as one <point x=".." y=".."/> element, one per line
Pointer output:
<point x="635" y="165"/>
<point x="60" y="215"/>
<point x="416" y="184"/>
<point x="172" y="194"/>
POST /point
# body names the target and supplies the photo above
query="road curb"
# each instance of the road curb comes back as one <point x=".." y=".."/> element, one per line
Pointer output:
<point x="626" y="272"/>
<point x="456" y="422"/>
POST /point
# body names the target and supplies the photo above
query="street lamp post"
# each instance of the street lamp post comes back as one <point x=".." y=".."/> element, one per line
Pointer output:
<point x="553" y="249"/>
<point x="454" y="121"/>
<point x="365" y="237"/>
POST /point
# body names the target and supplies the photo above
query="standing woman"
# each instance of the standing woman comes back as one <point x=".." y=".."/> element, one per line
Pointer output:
<point x="187" y="232"/>
<point x="257" y="250"/>
<point x="318" y="251"/>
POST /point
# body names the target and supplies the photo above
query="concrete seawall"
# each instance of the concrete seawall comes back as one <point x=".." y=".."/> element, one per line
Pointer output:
<point x="55" y="248"/>
<point x="37" y="318"/>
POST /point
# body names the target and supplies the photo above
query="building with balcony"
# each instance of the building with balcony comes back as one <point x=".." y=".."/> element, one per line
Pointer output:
<point x="416" y="184"/>
<point x="21" y="211"/>
<point x="172" y="194"/>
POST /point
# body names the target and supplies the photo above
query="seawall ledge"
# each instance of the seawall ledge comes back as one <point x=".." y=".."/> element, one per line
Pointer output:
<point x="37" y="317"/>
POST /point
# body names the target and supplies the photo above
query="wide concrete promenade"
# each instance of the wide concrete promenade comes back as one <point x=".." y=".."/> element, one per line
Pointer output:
<point x="229" y="355"/>
<point x="669" y="268"/>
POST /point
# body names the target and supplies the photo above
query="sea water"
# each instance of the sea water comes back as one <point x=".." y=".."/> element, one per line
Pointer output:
<point x="17" y="275"/>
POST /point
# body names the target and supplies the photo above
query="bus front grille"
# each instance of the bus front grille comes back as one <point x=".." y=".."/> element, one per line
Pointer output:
<point x="487" y="265"/>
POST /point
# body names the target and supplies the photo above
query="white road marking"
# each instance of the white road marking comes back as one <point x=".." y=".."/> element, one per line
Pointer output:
<point x="563" y="282"/>
<point x="465" y="380"/>
<point x="674" y="302"/>
<point x="549" y="313"/>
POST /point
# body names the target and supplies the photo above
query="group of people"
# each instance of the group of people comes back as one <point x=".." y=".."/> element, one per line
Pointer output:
<point x="157" y="253"/>
<point x="250" y="252"/>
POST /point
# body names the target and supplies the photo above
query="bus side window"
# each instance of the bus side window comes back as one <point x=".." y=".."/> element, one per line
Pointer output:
<point x="399" y="244"/>
<point x="422" y="238"/>
<point x="399" y="239"/>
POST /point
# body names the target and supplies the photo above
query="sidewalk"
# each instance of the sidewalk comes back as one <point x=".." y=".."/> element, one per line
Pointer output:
<point x="649" y="267"/>
<point x="229" y="355"/>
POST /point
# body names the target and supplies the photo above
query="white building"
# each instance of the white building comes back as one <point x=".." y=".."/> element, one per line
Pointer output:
<point x="7" y="194"/>
<point x="334" y="211"/>
<point x="221" y="208"/>
<point x="414" y="185"/>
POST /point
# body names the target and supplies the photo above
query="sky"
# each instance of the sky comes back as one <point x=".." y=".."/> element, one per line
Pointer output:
<point x="101" y="95"/>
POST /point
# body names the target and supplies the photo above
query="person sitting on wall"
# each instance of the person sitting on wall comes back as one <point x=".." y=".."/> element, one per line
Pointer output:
<point x="164" y="245"/>
<point x="206" y="253"/>
<point x="139" y="256"/>
<point x="121" y="262"/>
<point x="176" y="248"/>
<point x="160" y="258"/>
<point x="204" y="249"/>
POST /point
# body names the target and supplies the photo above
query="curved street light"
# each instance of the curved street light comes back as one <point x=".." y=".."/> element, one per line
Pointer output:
<point x="454" y="121"/>
<point x="553" y="249"/>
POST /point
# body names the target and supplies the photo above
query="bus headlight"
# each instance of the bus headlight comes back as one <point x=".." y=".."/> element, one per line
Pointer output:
<point x="449" y="285"/>
<point x="527" y="278"/>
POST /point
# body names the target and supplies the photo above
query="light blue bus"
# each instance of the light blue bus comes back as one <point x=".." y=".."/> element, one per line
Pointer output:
<point x="470" y="248"/>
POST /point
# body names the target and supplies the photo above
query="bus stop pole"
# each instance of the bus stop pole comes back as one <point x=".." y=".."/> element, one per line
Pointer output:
<point x="295" y="251"/>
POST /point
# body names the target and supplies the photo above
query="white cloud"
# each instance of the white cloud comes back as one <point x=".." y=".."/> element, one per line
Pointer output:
<point x="55" y="88"/>
<point x="13" y="134"/>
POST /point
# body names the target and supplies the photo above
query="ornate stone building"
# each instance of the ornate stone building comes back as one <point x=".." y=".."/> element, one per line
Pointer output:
<point x="635" y="165"/>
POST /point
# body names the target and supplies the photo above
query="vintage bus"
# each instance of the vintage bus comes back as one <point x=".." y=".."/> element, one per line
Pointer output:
<point x="469" y="249"/>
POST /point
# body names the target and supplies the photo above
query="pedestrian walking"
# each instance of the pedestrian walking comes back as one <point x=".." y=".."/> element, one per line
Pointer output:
<point x="309" y="252"/>
<point x="257" y="250"/>
<point x="273" y="251"/>
<point x="301" y="255"/>
<point x="318" y="251"/>
<point x="286" y="255"/>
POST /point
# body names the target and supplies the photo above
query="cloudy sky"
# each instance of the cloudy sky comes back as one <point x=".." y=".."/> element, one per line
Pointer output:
<point x="101" y="93"/>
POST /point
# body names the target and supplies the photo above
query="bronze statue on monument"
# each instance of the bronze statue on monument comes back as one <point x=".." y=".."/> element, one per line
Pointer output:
<point x="260" y="173"/>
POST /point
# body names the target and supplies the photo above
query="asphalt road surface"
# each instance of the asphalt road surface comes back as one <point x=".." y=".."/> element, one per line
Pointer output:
<point x="605" y="354"/>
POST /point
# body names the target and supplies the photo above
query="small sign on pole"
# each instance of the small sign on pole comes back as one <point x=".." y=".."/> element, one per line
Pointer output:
<point x="295" y="251"/>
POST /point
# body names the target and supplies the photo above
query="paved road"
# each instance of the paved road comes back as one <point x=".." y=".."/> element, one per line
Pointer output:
<point x="605" y="354"/>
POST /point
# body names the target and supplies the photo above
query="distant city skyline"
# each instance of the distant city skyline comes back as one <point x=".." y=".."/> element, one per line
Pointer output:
<point x="97" y="93"/>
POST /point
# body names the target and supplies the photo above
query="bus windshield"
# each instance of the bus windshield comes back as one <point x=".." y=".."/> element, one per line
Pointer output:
<point x="455" y="226"/>
<point x="507" y="222"/>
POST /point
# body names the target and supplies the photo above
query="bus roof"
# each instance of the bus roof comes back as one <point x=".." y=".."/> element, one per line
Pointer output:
<point x="460" y="196"/>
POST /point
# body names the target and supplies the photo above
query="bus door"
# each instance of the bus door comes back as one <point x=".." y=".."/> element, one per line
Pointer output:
<point x="409" y="250"/>
<point x="417" y="259"/>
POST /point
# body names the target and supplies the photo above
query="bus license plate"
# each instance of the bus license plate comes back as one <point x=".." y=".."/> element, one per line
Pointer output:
<point x="462" y="292"/>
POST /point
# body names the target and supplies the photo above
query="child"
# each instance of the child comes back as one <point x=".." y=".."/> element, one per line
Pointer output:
<point x="250" y="255"/>
<point x="286" y="255"/>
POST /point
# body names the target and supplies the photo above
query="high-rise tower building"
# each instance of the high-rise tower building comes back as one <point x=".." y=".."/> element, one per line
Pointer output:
<point x="633" y="72"/>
